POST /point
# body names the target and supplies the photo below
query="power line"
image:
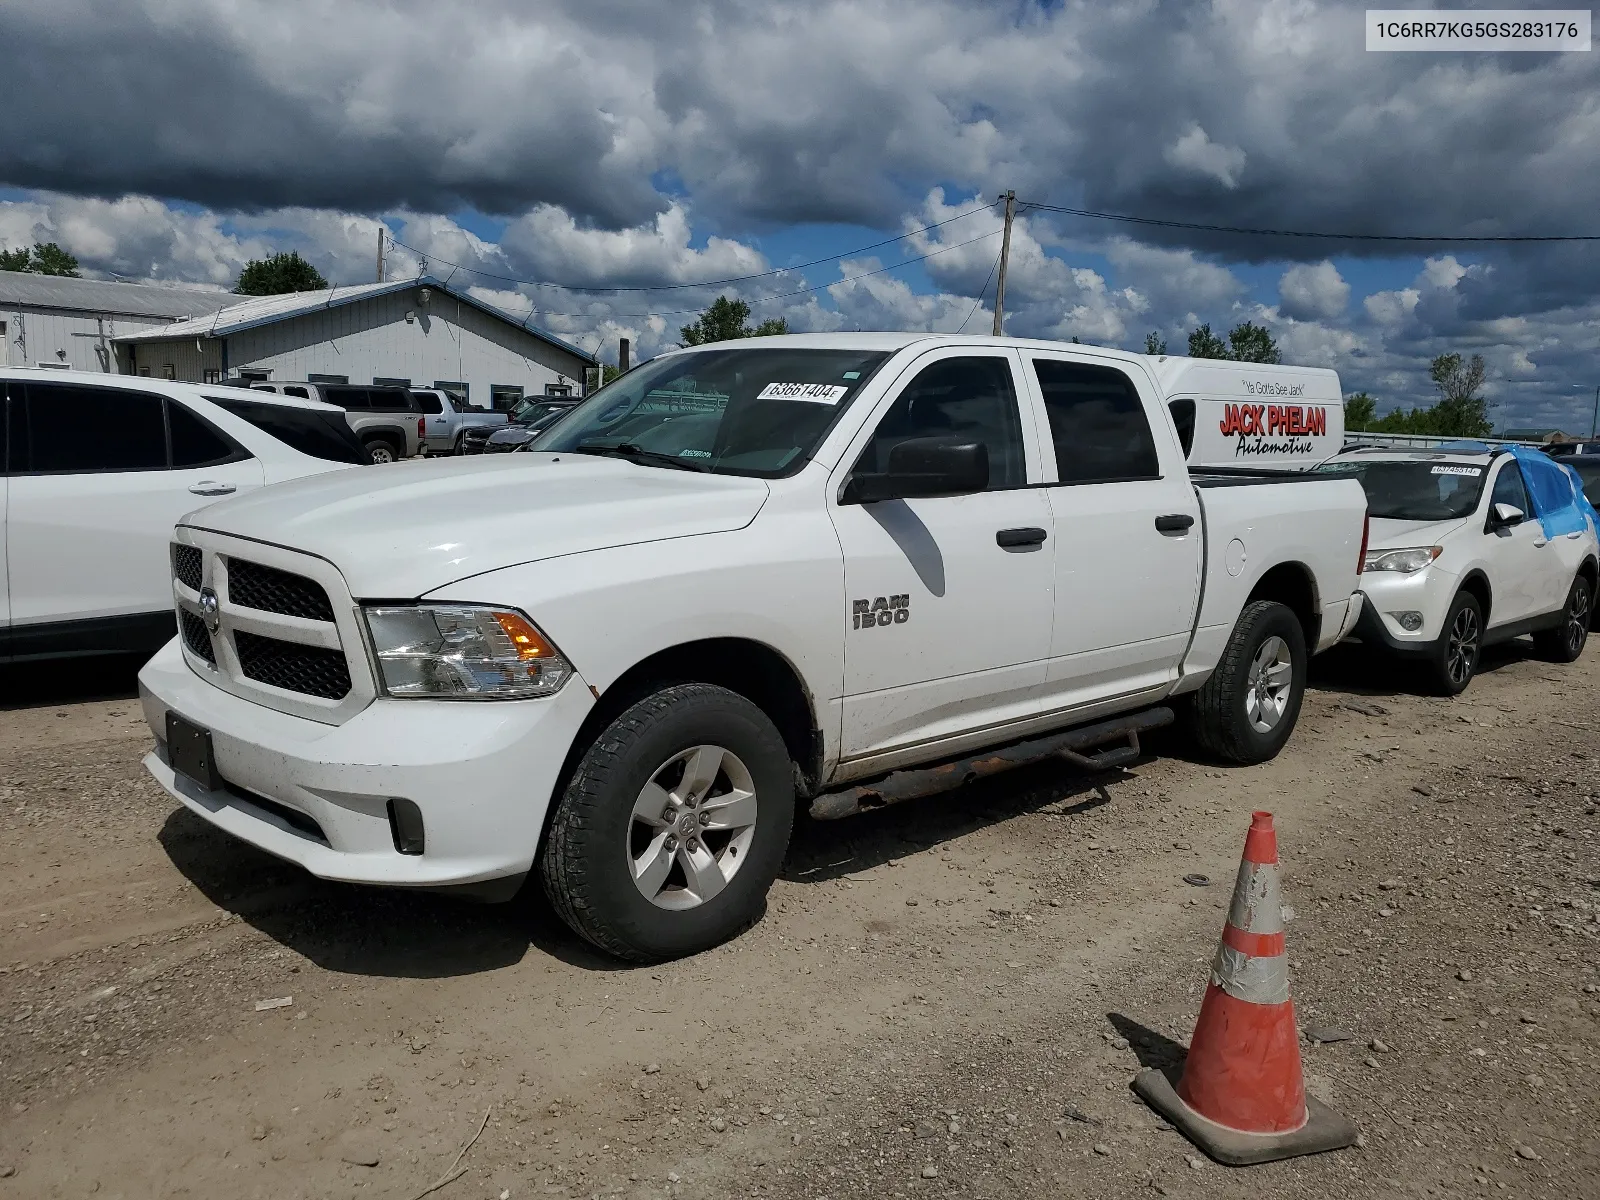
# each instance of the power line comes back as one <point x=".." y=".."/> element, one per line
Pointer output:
<point x="666" y="287"/>
<point x="981" y="291"/>
<point x="1304" y="233"/>
<point x="678" y="312"/>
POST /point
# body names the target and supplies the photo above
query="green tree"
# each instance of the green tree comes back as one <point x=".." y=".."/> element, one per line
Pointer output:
<point x="1252" y="343"/>
<point x="45" y="258"/>
<point x="1154" y="343"/>
<point x="1462" y="411"/>
<point x="1360" y="411"/>
<point x="279" y="274"/>
<point x="724" y="321"/>
<point x="607" y="372"/>
<point x="1205" y="344"/>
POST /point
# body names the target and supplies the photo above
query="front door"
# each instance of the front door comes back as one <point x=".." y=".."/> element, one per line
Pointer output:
<point x="949" y="598"/>
<point x="1127" y="528"/>
<point x="97" y="484"/>
<point x="1521" y="554"/>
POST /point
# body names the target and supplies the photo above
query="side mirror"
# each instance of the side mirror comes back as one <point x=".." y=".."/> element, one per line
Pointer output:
<point x="925" y="466"/>
<point x="1507" y="515"/>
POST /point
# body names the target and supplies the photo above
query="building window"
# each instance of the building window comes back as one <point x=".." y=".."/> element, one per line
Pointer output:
<point x="169" y="371"/>
<point x="337" y="379"/>
<point x="503" y="397"/>
<point x="457" y="390"/>
<point x="385" y="381"/>
<point x="211" y="375"/>
<point x="254" y="375"/>
<point x="558" y="389"/>
<point x="144" y="372"/>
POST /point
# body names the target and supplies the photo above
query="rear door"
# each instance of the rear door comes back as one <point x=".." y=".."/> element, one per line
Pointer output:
<point x="100" y="476"/>
<point x="948" y="603"/>
<point x="1127" y="531"/>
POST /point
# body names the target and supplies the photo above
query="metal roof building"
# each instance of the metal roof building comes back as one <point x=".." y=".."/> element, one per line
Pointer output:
<point x="58" y="321"/>
<point x="420" y="332"/>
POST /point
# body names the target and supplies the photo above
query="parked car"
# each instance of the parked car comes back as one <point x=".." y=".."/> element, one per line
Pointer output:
<point x="742" y="576"/>
<point x="534" y="414"/>
<point x="388" y="420"/>
<point x="448" y="420"/>
<point x="97" y="471"/>
<point x="1587" y="467"/>
<point x="1468" y="549"/>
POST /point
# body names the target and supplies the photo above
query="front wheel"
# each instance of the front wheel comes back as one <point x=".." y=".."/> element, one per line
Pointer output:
<point x="1454" y="660"/>
<point x="1565" y="642"/>
<point x="673" y="825"/>
<point x="1248" y="708"/>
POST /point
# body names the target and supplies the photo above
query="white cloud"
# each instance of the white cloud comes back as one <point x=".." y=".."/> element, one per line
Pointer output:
<point x="1314" y="290"/>
<point x="1195" y="151"/>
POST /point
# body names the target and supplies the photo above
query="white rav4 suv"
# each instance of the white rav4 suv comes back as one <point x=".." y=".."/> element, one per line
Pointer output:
<point x="1468" y="549"/>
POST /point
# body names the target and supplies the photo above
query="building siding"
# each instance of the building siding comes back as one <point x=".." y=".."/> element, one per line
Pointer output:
<point x="80" y="341"/>
<point x="448" y="341"/>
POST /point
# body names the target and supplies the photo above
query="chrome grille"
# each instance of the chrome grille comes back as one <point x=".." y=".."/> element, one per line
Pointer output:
<point x="292" y="666"/>
<point x="252" y="585"/>
<point x="195" y="635"/>
<point x="186" y="566"/>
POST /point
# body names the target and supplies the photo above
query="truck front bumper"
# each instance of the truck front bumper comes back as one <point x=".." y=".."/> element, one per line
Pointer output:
<point x="481" y="775"/>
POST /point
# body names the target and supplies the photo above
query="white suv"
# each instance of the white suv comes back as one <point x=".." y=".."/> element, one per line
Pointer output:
<point x="94" y="472"/>
<point x="1468" y="549"/>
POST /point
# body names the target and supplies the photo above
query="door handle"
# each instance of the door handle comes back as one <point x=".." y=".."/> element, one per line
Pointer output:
<point x="1574" y="536"/>
<point x="1174" y="523"/>
<point x="209" y="487"/>
<point x="1030" y="535"/>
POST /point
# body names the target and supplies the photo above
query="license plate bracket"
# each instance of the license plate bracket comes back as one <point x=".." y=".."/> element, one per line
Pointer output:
<point x="189" y="753"/>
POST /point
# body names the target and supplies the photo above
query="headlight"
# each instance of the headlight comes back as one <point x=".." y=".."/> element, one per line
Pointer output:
<point x="462" y="651"/>
<point x="1403" y="561"/>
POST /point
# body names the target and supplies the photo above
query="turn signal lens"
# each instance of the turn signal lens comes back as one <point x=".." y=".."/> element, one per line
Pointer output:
<point x="464" y="652"/>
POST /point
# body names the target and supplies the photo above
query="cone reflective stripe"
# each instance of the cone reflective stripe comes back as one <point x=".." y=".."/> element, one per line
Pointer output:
<point x="1243" y="1069"/>
<point x="1242" y="1096"/>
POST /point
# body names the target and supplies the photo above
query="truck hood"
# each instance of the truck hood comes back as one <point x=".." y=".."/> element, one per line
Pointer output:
<point x="403" y="530"/>
<point x="1389" y="534"/>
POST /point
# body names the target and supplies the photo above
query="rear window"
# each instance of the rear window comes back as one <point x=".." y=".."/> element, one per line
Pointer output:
<point x="321" y="435"/>
<point x="391" y="400"/>
<point x="346" y="397"/>
<point x="430" y="403"/>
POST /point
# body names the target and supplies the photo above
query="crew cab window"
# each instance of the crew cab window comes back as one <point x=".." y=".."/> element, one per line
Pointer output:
<point x="391" y="400"/>
<point x="346" y="397"/>
<point x="430" y="403"/>
<point x="322" y="435"/>
<point x="68" y="428"/>
<point x="291" y="390"/>
<point x="969" y="397"/>
<point x="1183" y="418"/>
<point x="195" y="443"/>
<point x="1509" y="489"/>
<point x="1097" y="423"/>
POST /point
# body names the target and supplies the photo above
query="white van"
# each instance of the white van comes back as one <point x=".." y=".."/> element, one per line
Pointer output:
<point x="1233" y="414"/>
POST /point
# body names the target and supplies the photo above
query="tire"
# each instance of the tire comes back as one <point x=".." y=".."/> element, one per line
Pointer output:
<point x="607" y="830"/>
<point x="380" y="451"/>
<point x="1230" y="716"/>
<point x="1565" y="642"/>
<point x="1453" y="661"/>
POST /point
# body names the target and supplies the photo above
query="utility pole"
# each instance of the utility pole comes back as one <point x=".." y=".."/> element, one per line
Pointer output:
<point x="1005" y="253"/>
<point x="380" y="253"/>
<point x="622" y="355"/>
<point x="1594" y="421"/>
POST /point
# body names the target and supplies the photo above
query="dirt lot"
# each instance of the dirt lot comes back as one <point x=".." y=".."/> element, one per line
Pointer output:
<point x="947" y="999"/>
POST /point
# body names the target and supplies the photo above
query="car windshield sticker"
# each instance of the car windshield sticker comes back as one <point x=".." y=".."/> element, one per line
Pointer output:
<point x="815" y="393"/>
<point x="1472" y="471"/>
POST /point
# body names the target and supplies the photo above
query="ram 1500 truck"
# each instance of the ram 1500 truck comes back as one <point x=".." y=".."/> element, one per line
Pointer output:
<point x="809" y="569"/>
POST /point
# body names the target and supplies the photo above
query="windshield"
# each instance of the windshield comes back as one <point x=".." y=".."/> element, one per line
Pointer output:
<point x="1415" y="491"/>
<point x="528" y="410"/>
<point x="732" y="412"/>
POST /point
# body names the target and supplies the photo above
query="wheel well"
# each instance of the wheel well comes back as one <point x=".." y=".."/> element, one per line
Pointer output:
<point x="1291" y="585"/>
<point x="1588" y="571"/>
<point x="755" y="671"/>
<point x="1477" y="585"/>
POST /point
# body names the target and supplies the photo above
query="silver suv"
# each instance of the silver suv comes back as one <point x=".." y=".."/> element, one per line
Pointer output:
<point x="388" y="420"/>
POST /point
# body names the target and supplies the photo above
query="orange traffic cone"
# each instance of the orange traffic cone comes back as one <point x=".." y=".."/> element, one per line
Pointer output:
<point x="1241" y="1097"/>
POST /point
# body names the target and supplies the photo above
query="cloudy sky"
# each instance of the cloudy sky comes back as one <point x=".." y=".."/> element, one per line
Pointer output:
<point x="598" y="146"/>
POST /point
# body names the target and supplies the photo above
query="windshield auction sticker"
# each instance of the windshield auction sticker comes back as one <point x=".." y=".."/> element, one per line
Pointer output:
<point x="1432" y="30"/>
<point x="1474" y="472"/>
<point x="814" y="393"/>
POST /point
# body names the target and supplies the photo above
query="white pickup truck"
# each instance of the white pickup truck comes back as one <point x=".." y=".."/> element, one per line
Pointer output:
<point x="840" y="570"/>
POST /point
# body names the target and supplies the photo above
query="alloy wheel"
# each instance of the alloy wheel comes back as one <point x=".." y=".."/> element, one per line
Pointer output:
<point x="1269" y="684"/>
<point x="1578" y="617"/>
<point x="1461" y="653"/>
<point x="691" y="827"/>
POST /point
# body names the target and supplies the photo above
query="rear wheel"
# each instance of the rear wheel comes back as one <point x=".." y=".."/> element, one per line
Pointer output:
<point x="380" y="451"/>
<point x="673" y="825"/>
<point x="1248" y="708"/>
<point x="1454" y="659"/>
<point x="1565" y="642"/>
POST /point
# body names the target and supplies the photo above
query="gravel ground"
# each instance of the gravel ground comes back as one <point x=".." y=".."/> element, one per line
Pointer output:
<point x="945" y="999"/>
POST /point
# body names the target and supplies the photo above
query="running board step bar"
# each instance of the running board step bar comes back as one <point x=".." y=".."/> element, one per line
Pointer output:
<point x="1069" y="744"/>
